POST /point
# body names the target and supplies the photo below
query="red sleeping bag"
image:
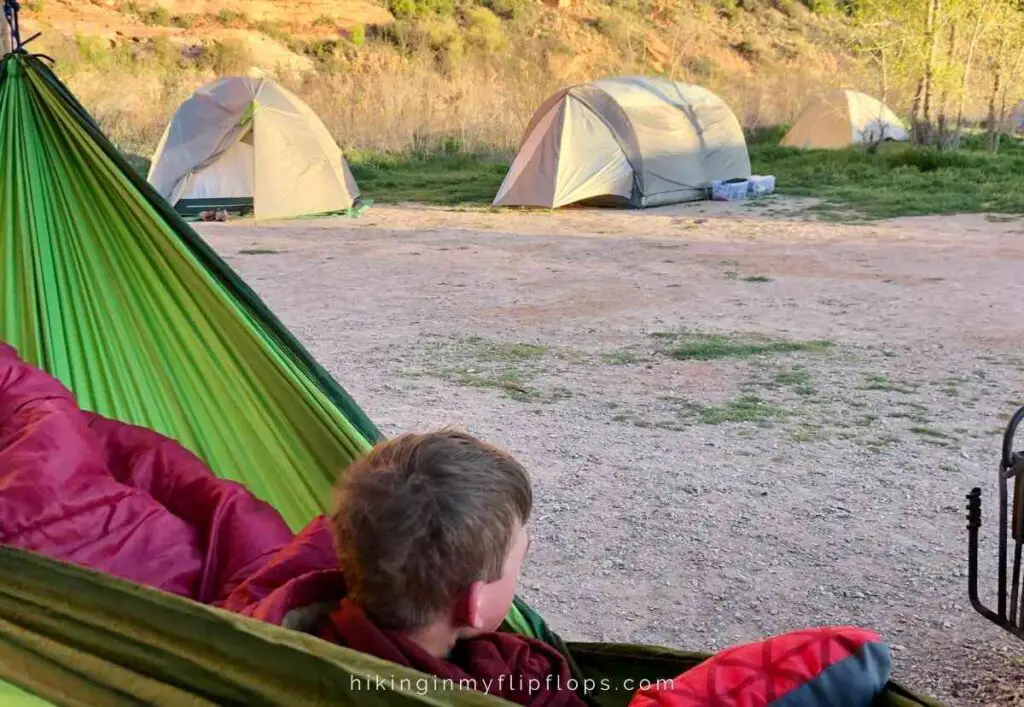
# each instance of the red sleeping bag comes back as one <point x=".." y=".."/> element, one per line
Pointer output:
<point x="818" y="667"/>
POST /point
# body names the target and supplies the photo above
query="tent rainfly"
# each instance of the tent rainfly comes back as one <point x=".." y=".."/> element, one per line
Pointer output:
<point x="245" y="141"/>
<point x="631" y="141"/>
<point x="842" y="118"/>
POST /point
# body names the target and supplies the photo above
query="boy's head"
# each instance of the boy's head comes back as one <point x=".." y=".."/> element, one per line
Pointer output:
<point x="431" y="527"/>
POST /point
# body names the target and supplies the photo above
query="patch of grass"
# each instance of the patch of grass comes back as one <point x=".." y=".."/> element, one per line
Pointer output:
<point x="879" y="444"/>
<point x="622" y="357"/>
<point x="809" y="433"/>
<point x="448" y="177"/>
<point x="797" y="379"/>
<point x="756" y="278"/>
<point x="484" y="350"/>
<point x="747" y="408"/>
<point x="882" y="383"/>
<point x="258" y="251"/>
<point x="930" y="432"/>
<point x="898" y="180"/>
<point x="707" y="347"/>
<point x="510" y="367"/>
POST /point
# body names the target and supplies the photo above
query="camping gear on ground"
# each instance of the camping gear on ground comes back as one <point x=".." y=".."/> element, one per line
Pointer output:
<point x="1009" y="611"/>
<point x="837" y="666"/>
<point x="106" y="288"/>
<point x="841" y="118"/>
<point x="729" y="189"/>
<point x="240" y="143"/>
<point x="634" y="142"/>
<point x="761" y="185"/>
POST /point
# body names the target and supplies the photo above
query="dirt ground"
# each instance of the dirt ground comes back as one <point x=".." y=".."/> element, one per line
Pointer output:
<point x="698" y="503"/>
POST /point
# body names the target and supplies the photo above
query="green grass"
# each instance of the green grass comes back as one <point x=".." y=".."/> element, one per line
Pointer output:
<point x="707" y="347"/>
<point x="854" y="184"/>
<point x="898" y="180"/>
<point x="798" y="379"/>
<point x="258" y="251"/>
<point x="622" y="357"/>
<point x="747" y="408"/>
<point x="756" y="278"/>
<point x="451" y="178"/>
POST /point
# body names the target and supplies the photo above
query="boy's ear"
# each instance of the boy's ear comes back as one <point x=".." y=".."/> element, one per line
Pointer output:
<point x="470" y="609"/>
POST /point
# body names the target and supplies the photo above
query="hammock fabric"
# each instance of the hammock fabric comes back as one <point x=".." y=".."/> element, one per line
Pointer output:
<point x="108" y="290"/>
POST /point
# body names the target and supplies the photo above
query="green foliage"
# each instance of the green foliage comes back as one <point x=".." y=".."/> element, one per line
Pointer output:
<point x="484" y="30"/>
<point x="402" y="9"/>
<point x="156" y="16"/>
<point x="405" y="9"/>
<point x="274" y="32"/>
<point x="707" y="347"/>
<point x="745" y="49"/>
<point x="324" y="21"/>
<point x="358" y="35"/>
<point x="506" y="9"/>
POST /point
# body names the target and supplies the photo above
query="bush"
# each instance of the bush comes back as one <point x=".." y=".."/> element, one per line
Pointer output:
<point x="402" y="9"/>
<point x="484" y="30"/>
<point x="186" y="21"/>
<point x="227" y="57"/>
<point x="155" y="16"/>
<point x="507" y="9"/>
<point x="358" y="35"/>
<point x="615" y="28"/>
<point x="230" y="17"/>
<point x="323" y="21"/>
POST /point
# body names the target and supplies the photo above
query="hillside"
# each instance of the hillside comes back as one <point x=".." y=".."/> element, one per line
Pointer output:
<point x="465" y="72"/>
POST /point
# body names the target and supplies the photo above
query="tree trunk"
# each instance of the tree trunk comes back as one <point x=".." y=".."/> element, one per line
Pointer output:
<point x="927" y="81"/>
<point x="992" y="136"/>
<point x="883" y="64"/>
<point x="945" y="139"/>
<point x="965" y="81"/>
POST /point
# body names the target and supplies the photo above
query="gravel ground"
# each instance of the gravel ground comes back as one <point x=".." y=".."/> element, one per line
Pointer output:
<point x="706" y="501"/>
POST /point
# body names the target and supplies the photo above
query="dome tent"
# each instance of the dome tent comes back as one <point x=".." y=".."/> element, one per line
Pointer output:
<point x="841" y="118"/>
<point x="248" y="141"/>
<point x="629" y="141"/>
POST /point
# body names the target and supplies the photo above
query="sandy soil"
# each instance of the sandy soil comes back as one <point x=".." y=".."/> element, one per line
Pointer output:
<point x="657" y="518"/>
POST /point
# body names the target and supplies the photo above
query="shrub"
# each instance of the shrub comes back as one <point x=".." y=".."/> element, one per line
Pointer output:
<point x="484" y="30"/>
<point x="402" y="9"/>
<point x="230" y="17"/>
<point x="186" y="21"/>
<point x="507" y="9"/>
<point x="358" y="35"/>
<point x="323" y="21"/>
<point x="616" y="29"/>
<point x="226" y="57"/>
<point x="156" y="16"/>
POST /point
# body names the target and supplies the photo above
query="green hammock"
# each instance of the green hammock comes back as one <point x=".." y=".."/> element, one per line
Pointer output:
<point x="108" y="289"/>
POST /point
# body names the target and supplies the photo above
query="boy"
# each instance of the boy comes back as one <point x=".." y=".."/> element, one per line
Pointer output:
<point x="430" y="533"/>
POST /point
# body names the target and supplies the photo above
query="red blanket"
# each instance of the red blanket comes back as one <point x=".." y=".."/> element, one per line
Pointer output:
<point x="129" y="502"/>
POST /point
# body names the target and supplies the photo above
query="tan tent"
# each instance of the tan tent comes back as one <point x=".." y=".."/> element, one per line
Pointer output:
<point x="625" y="141"/>
<point x="841" y="118"/>
<point x="249" y="141"/>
